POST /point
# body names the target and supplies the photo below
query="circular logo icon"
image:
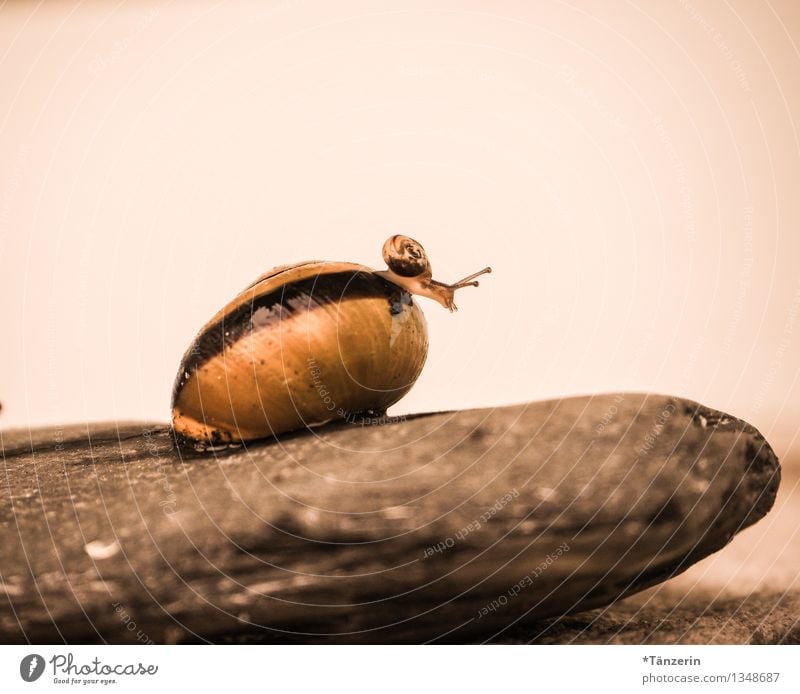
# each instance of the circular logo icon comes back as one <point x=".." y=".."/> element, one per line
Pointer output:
<point x="31" y="667"/>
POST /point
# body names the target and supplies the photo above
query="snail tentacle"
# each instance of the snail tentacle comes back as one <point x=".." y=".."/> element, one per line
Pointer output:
<point x="467" y="281"/>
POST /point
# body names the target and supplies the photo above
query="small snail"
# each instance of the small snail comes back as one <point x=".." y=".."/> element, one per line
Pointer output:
<point x="306" y="344"/>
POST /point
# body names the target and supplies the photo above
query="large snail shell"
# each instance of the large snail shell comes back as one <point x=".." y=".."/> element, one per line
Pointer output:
<point x="303" y="345"/>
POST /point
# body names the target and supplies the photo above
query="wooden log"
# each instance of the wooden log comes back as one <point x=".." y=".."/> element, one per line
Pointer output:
<point x="450" y="526"/>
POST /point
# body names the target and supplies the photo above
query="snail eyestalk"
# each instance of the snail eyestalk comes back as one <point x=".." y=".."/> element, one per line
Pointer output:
<point x="410" y="269"/>
<point x="467" y="281"/>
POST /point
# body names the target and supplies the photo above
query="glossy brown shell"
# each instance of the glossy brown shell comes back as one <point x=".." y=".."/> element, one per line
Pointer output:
<point x="303" y="345"/>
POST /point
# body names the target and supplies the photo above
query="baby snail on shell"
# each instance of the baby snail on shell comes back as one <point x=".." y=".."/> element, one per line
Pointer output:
<point x="306" y="344"/>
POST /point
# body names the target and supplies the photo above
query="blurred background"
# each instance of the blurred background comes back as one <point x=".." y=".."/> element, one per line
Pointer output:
<point x="629" y="169"/>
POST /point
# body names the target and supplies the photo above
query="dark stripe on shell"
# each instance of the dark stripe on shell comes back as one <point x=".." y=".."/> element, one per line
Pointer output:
<point x="321" y="289"/>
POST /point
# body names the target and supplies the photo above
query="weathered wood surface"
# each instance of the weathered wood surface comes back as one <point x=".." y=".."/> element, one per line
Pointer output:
<point x="409" y="531"/>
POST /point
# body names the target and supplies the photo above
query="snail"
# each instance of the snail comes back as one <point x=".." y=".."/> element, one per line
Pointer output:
<point x="306" y="344"/>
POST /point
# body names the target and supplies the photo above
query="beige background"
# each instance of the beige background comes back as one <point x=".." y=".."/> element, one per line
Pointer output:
<point x="631" y="171"/>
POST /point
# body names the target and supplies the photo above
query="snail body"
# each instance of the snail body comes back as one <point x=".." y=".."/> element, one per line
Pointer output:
<point x="303" y="345"/>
